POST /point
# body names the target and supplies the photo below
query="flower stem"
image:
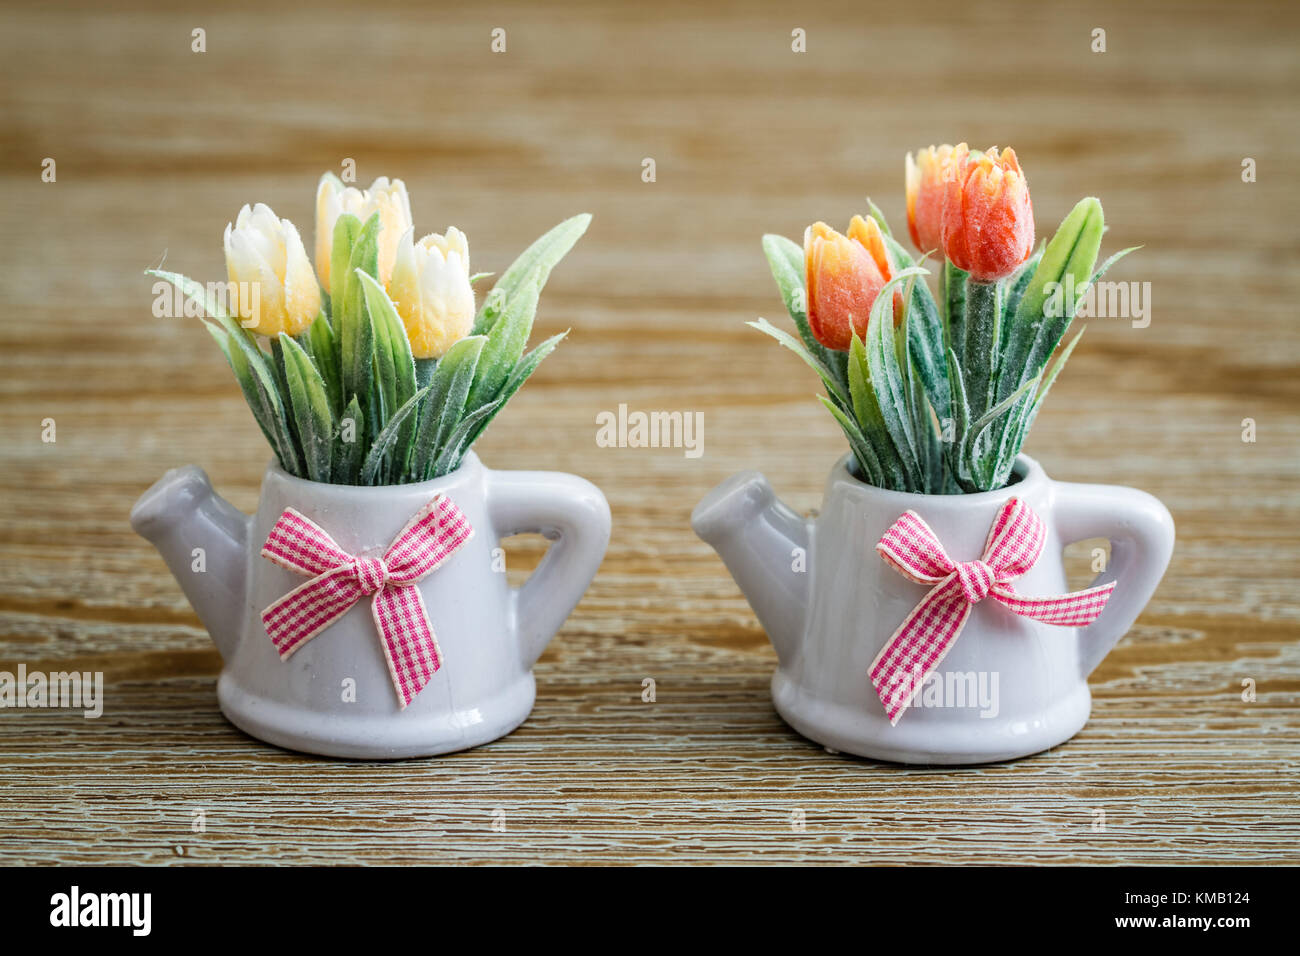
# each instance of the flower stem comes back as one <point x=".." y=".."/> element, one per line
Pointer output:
<point x="979" y="352"/>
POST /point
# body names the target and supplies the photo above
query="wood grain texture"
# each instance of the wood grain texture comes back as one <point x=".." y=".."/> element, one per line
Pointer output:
<point x="157" y="147"/>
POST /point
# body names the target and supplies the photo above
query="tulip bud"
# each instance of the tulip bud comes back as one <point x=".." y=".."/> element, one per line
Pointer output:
<point x="925" y="191"/>
<point x="845" y="274"/>
<point x="867" y="233"/>
<point x="389" y="199"/>
<point x="268" y="265"/>
<point x="988" y="219"/>
<point x="430" y="288"/>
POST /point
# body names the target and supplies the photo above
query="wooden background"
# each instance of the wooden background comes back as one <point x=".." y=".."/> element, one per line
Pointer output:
<point x="157" y="147"/>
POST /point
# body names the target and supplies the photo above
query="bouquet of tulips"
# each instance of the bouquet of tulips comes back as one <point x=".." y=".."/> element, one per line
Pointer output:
<point x="936" y="395"/>
<point x="384" y="372"/>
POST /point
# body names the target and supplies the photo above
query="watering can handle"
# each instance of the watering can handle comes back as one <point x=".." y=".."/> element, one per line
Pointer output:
<point x="572" y="513"/>
<point x="1141" y="534"/>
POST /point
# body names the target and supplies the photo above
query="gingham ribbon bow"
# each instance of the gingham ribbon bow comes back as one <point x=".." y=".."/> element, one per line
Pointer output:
<point x="342" y="579"/>
<point x="1015" y="542"/>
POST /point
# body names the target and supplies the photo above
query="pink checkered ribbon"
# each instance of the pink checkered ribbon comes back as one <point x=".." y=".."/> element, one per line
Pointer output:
<point x="1015" y="542"/>
<point x="341" y="579"/>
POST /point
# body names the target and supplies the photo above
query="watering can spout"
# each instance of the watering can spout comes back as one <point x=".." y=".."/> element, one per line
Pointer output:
<point x="204" y="541"/>
<point x="765" y="546"/>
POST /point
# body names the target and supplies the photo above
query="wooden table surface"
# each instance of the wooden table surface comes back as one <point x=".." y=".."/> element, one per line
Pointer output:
<point x="157" y="147"/>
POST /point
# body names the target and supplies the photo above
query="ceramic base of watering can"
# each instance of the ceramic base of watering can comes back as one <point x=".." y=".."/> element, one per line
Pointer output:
<point x="1007" y="686"/>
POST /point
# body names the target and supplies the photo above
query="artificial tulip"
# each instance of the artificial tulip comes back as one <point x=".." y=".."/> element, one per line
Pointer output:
<point x="925" y="192"/>
<point x="988" y="218"/>
<point x="431" y="289"/>
<point x="268" y="265"/>
<point x="389" y="199"/>
<point x="845" y="274"/>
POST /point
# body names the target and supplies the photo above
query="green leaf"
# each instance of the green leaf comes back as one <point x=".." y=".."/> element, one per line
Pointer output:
<point x="385" y="372"/>
<point x="387" y="440"/>
<point x="865" y="407"/>
<point x="1102" y="270"/>
<point x="1067" y="262"/>
<point x="395" y="366"/>
<point x="266" y="400"/>
<point x="282" y="387"/>
<point x="346" y="229"/>
<point x="887" y="375"/>
<point x="424" y="371"/>
<point x="1016" y="286"/>
<point x="1013" y="430"/>
<point x="525" y="367"/>
<point x="876" y="214"/>
<point x="244" y="375"/>
<point x="456" y="444"/>
<point x="958" y="466"/>
<point x="858" y="442"/>
<point x="833" y="387"/>
<point x="445" y="402"/>
<point x="1053" y="370"/>
<point x="393" y="349"/>
<point x="348" y="454"/>
<point x="311" y="408"/>
<point x="505" y="345"/>
<point x="984" y="463"/>
<point x="929" y="451"/>
<point x="324" y="351"/>
<point x="1071" y="251"/>
<point x="355" y="328"/>
<point x="870" y="418"/>
<point x="533" y="266"/>
<point x="1030" y="410"/>
<point x="925" y="337"/>
<point x="914" y="393"/>
<point x="303" y="338"/>
<point x="197" y="292"/>
<point x="936" y="473"/>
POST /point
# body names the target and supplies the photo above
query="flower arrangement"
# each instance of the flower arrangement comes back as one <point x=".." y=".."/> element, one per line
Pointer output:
<point x="937" y="394"/>
<point x="382" y="372"/>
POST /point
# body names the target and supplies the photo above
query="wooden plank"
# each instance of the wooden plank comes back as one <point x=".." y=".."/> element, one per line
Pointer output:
<point x="157" y="147"/>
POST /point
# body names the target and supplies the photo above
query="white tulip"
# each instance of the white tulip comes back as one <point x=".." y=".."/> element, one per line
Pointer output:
<point x="389" y="199"/>
<point x="266" y="262"/>
<point x="430" y="288"/>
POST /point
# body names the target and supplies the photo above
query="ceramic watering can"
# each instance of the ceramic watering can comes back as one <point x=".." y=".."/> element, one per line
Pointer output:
<point x="1008" y="686"/>
<point x="335" y="694"/>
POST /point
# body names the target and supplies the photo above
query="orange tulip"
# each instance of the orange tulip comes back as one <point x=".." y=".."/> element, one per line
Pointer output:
<point x="988" y="219"/>
<point x="845" y="274"/>
<point x="925" y="191"/>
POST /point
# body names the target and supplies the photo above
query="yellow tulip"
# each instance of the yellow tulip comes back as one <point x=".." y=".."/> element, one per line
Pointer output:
<point x="430" y="288"/>
<point x="389" y="199"/>
<point x="268" y="266"/>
